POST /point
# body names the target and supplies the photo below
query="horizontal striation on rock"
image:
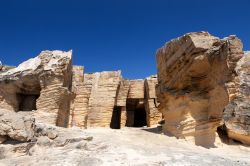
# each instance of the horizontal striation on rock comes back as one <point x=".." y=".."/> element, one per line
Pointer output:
<point x="237" y="112"/>
<point x="136" y="90"/>
<point x="123" y="93"/>
<point x="192" y="72"/>
<point x="41" y="85"/>
<point x="78" y="105"/>
<point x="150" y="101"/>
<point x="102" y="98"/>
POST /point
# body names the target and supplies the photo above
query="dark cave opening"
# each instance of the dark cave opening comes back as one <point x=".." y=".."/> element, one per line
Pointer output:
<point x="27" y="102"/>
<point x="116" y="118"/>
<point x="222" y="132"/>
<point x="140" y="118"/>
<point x="136" y="113"/>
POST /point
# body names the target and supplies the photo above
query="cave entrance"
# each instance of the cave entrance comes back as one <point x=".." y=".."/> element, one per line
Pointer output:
<point x="140" y="117"/>
<point x="116" y="118"/>
<point x="222" y="132"/>
<point x="27" y="102"/>
<point x="136" y="113"/>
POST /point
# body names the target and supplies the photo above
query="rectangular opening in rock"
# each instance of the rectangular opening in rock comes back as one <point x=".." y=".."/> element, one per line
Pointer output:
<point x="136" y="113"/>
<point x="27" y="102"/>
<point x="140" y="117"/>
<point x="116" y="118"/>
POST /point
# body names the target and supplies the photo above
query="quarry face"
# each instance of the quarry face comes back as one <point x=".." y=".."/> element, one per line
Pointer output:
<point x="195" y="110"/>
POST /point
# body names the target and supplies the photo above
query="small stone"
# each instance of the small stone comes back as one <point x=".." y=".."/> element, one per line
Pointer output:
<point x="88" y="138"/>
<point x="82" y="145"/>
<point x="52" y="134"/>
<point x="43" y="141"/>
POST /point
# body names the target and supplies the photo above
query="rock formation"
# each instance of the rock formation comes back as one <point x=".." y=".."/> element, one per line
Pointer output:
<point x="55" y="92"/>
<point x="151" y="103"/>
<point x="237" y="112"/>
<point x="4" y="68"/>
<point x="23" y="137"/>
<point x="136" y="113"/>
<point x="15" y="126"/>
<point x="41" y="83"/>
<point x="202" y="83"/>
<point x="107" y="100"/>
<point x="193" y="72"/>
<point x="78" y="107"/>
<point x="102" y="98"/>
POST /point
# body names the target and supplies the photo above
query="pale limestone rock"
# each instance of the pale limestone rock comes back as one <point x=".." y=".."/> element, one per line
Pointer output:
<point x="55" y="92"/>
<point x="123" y="147"/>
<point x="135" y="103"/>
<point x="78" y="104"/>
<point x="136" y="90"/>
<point x="121" y="101"/>
<point x="52" y="134"/>
<point x="43" y="141"/>
<point x="4" y="68"/>
<point x="41" y="83"/>
<point x="193" y="71"/>
<point x="123" y="117"/>
<point x="102" y="98"/>
<point x="122" y="95"/>
<point x="151" y="103"/>
<point x="16" y="126"/>
<point x="83" y="91"/>
<point x="237" y="113"/>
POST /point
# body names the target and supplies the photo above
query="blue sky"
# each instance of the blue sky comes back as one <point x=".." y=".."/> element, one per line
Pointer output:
<point x="113" y="34"/>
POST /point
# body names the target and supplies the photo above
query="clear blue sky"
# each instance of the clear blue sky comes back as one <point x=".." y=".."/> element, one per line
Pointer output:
<point x="113" y="34"/>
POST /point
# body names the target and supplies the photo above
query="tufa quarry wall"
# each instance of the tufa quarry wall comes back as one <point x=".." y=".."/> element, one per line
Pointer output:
<point x="54" y="91"/>
<point x="42" y="83"/>
<point x="202" y="89"/>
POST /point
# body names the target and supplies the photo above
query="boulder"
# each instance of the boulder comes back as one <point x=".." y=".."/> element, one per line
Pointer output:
<point x="16" y="126"/>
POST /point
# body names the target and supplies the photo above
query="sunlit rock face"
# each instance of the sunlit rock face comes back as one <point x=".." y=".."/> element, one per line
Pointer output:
<point x="56" y="92"/>
<point x="102" y="97"/>
<point x="237" y="113"/>
<point x="151" y="103"/>
<point x="40" y="85"/>
<point x="192" y="72"/>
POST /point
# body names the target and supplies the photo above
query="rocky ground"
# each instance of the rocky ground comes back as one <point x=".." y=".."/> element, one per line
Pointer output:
<point x="128" y="146"/>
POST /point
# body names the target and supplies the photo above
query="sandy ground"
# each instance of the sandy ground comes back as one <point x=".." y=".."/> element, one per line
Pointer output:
<point x="132" y="147"/>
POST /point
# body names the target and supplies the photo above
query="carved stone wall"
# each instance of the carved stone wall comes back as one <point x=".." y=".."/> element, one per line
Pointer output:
<point x="151" y="103"/>
<point x="47" y="76"/>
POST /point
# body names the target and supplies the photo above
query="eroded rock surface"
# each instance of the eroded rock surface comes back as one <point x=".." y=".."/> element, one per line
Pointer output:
<point x="41" y="83"/>
<point x="237" y="113"/>
<point x="193" y="71"/>
<point x="78" y="107"/>
<point x="151" y="103"/>
<point x="102" y="98"/>
<point x="55" y="92"/>
<point x="15" y="126"/>
<point x="128" y="146"/>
